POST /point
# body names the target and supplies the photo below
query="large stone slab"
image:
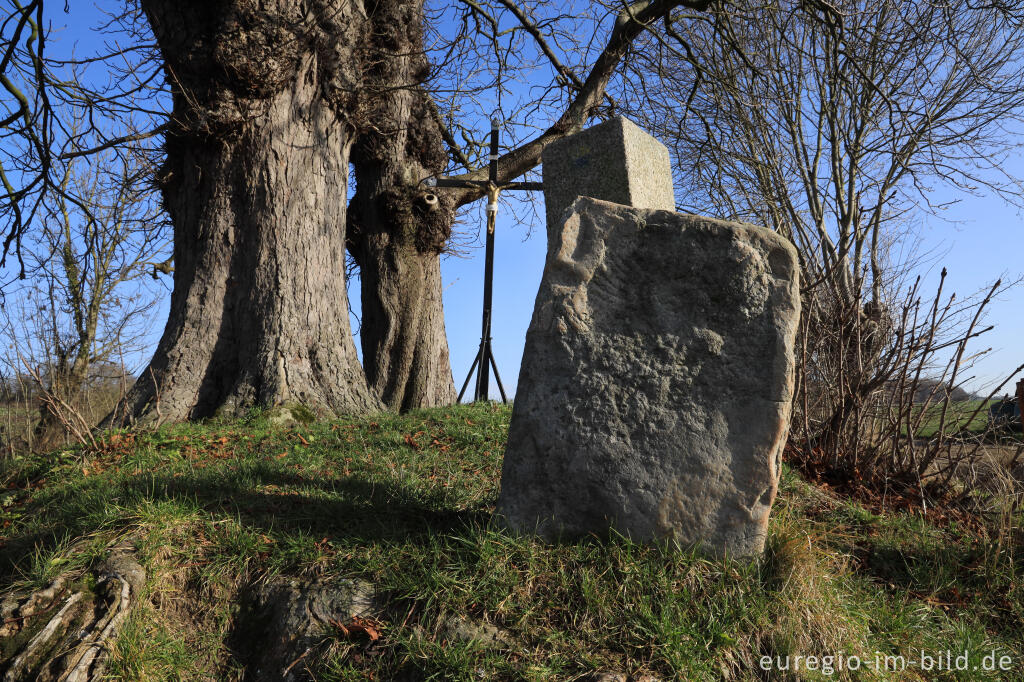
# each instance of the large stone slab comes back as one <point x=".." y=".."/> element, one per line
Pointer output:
<point x="655" y="389"/>
<point x="615" y="161"/>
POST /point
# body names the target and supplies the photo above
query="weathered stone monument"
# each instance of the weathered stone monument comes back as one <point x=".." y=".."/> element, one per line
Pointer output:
<point x="654" y="394"/>
<point x="615" y="161"/>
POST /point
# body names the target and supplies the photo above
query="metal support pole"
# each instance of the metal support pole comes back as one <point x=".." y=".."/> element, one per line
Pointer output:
<point x="497" y="378"/>
<point x="484" y="370"/>
<point x="469" y="376"/>
<point x="1020" y="402"/>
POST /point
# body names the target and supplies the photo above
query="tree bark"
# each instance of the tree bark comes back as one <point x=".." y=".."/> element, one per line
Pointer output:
<point x="405" y="347"/>
<point x="397" y="229"/>
<point x="265" y="102"/>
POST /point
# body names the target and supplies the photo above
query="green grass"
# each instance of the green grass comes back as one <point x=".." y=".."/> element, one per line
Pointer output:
<point x="958" y="418"/>
<point x="405" y="502"/>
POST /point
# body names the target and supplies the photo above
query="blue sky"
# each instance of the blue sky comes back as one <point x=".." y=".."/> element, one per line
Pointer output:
<point x="982" y="240"/>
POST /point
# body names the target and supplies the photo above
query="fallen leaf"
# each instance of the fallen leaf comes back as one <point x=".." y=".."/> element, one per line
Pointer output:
<point x="358" y="628"/>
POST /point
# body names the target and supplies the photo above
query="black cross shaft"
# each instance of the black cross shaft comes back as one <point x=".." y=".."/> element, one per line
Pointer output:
<point x="484" y="361"/>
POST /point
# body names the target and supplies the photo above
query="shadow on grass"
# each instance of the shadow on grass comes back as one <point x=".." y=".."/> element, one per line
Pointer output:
<point x="348" y="509"/>
<point x="948" y="575"/>
<point x="916" y="569"/>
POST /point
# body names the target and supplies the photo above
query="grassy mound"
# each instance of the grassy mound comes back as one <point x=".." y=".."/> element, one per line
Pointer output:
<point x="404" y="502"/>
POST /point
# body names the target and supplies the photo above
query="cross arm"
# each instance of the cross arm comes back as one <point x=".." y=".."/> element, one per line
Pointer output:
<point x="482" y="185"/>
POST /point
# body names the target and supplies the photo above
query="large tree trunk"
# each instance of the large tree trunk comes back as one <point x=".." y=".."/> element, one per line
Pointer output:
<point x="255" y="178"/>
<point x="405" y="350"/>
<point x="397" y="228"/>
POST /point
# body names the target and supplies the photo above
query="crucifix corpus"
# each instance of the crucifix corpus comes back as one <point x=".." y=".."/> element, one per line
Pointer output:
<point x="484" y="362"/>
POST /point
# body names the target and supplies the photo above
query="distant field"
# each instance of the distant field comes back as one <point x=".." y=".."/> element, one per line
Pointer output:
<point x="958" y="418"/>
<point x="18" y="420"/>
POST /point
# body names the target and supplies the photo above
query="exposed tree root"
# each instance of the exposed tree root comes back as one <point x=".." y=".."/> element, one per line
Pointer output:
<point x="283" y="624"/>
<point x="73" y="644"/>
<point x="14" y="611"/>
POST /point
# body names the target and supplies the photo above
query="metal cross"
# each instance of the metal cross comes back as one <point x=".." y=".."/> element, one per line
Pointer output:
<point x="484" y="357"/>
